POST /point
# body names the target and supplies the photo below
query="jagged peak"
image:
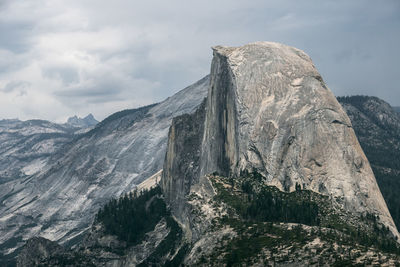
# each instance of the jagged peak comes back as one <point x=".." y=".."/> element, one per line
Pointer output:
<point x="87" y="121"/>
<point x="89" y="116"/>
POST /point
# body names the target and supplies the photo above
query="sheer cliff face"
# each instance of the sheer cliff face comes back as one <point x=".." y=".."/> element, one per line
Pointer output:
<point x="268" y="109"/>
<point x="181" y="168"/>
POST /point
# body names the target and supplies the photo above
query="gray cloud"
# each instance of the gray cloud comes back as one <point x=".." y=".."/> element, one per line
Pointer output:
<point x="68" y="75"/>
<point x="82" y="57"/>
<point x="14" y="37"/>
<point x="13" y="86"/>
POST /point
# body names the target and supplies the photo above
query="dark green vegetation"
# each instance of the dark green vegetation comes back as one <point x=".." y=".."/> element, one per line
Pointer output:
<point x="389" y="184"/>
<point x="253" y="237"/>
<point x="378" y="130"/>
<point x="256" y="212"/>
<point x="132" y="216"/>
<point x="261" y="217"/>
<point x="129" y="219"/>
<point x="69" y="259"/>
<point x="259" y="202"/>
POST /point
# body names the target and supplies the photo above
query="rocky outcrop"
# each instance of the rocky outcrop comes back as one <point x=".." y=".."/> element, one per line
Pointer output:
<point x="269" y="110"/>
<point x="36" y="250"/>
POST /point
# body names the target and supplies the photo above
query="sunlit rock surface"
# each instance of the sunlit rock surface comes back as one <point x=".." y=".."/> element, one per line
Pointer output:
<point x="268" y="109"/>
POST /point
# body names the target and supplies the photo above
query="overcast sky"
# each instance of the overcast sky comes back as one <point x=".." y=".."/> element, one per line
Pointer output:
<point x="60" y="58"/>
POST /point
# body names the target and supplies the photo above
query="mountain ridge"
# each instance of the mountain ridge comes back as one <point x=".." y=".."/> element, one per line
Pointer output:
<point x="60" y="202"/>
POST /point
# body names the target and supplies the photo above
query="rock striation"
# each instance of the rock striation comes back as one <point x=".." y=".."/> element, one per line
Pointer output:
<point x="26" y="146"/>
<point x="268" y="109"/>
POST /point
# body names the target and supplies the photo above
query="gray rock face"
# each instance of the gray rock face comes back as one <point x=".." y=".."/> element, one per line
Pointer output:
<point x="269" y="110"/>
<point x="26" y="146"/>
<point x="59" y="202"/>
<point x="181" y="168"/>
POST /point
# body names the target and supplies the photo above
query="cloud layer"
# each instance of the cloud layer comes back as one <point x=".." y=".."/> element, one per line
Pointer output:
<point x="59" y="58"/>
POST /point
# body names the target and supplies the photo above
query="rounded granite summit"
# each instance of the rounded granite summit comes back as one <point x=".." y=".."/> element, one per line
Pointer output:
<point x="268" y="109"/>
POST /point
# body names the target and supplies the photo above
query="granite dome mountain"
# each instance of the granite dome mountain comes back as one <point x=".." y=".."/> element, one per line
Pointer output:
<point x="257" y="157"/>
<point x="269" y="110"/>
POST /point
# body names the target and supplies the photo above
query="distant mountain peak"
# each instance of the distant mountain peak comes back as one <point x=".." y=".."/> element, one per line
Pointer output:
<point x="87" y="121"/>
<point x="90" y="116"/>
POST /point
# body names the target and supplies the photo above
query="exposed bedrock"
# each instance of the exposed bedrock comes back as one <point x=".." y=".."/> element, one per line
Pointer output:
<point x="268" y="109"/>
